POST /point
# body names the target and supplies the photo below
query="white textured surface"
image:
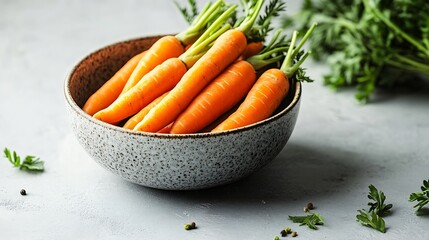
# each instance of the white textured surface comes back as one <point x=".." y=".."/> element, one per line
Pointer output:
<point x="337" y="149"/>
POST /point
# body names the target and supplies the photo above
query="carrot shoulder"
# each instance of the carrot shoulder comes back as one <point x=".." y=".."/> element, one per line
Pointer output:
<point x="110" y="90"/>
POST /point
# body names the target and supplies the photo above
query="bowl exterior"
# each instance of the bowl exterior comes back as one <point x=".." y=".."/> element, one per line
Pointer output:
<point x="179" y="163"/>
<point x="166" y="161"/>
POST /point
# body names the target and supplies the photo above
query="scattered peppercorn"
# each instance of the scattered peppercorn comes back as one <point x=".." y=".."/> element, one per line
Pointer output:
<point x="288" y="230"/>
<point x="294" y="234"/>
<point x="276" y="238"/>
<point x="305" y="209"/>
<point x="310" y="206"/>
<point x="283" y="233"/>
<point x="190" y="226"/>
<point x="23" y="192"/>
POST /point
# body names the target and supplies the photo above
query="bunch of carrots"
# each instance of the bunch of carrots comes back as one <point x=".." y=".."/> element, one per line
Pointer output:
<point x="206" y="77"/>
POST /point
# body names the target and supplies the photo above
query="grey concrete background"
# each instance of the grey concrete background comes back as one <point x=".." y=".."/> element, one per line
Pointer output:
<point x="337" y="149"/>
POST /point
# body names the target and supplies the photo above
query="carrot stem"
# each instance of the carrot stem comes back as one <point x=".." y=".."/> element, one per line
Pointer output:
<point x="190" y="59"/>
<point x="210" y="12"/>
<point x="270" y="54"/>
<point x="209" y="36"/>
<point x="251" y="16"/>
<point x="288" y="67"/>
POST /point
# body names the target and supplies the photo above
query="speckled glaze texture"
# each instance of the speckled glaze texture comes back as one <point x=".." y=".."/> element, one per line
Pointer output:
<point x="165" y="161"/>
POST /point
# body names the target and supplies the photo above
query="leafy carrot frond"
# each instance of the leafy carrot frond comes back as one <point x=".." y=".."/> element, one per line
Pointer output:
<point x="251" y="10"/>
<point x="191" y="13"/>
<point x="272" y="53"/>
<point x="263" y="25"/>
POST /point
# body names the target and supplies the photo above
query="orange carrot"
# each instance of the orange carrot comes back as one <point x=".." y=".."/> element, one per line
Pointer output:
<point x="173" y="46"/>
<point x="217" y="98"/>
<point x="252" y="48"/>
<point x="261" y="101"/>
<point x="154" y="84"/>
<point x="166" y="129"/>
<point x="269" y="90"/>
<point x="163" y="49"/>
<point x="225" y="50"/>
<point x="110" y="90"/>
<point x="132" y="122"/>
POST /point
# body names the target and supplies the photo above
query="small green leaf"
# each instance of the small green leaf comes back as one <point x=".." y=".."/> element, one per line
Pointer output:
<point x="378" y="206"/>
<point x="311" y="220"/>
<point x="371" y="220"/>
<point x="421" y="197"/>
<point x="30" y="163"/>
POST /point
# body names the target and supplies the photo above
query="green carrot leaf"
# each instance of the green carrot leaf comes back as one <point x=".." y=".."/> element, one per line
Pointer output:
<point x="30" y="163"/>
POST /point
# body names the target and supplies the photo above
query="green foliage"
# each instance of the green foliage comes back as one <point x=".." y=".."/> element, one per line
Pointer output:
<point x="191" y="13"/>
<point x="311" y="220"/>
<point x="371" y="219"/>
<point x="378" y="206"/>
<point x="421" y="197"/>
<point x="263" y="25"/>
<point x="367" y="43"/>
<point x="30" y="163"/>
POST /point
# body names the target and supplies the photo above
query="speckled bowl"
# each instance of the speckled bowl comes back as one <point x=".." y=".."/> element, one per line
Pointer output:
<point x="166" y="161"/>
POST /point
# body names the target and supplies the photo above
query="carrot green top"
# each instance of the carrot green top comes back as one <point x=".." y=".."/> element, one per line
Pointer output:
<point x="251" y="9"/>
<point x="294" y="57"/>
<point x="202" y="22"/>
<point x="272" y="53"/>
<point x="205" y="41"/>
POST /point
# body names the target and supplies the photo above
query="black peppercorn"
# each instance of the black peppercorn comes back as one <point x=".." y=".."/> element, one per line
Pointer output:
<point x="23" y="192"/>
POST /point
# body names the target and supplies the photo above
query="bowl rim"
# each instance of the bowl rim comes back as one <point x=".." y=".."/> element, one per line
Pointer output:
<point x="72" y="103"/>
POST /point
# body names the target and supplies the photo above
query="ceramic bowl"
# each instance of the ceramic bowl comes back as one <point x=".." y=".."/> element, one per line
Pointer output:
<point x="167" y="161"/>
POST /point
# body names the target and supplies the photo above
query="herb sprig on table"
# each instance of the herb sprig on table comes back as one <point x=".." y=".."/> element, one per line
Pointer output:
<point x="368" y="43"/>
<point x="311" y="220"/>
<point x="374" y="217"/>
<point x="421" y="197"/>
<point x="30" y="163"/>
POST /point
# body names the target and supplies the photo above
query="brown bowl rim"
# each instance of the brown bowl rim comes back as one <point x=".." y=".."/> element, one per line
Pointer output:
<point x="79" y="111"/>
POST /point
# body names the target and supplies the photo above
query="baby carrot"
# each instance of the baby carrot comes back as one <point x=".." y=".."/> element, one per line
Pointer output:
<point x="110" y="90"/>
<point x="252" y="48"/>
<point x="132" y="122"/>
<point x="225" y="50"/>
<point x="268" y="91"/>
<point x="173" y="46"/>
